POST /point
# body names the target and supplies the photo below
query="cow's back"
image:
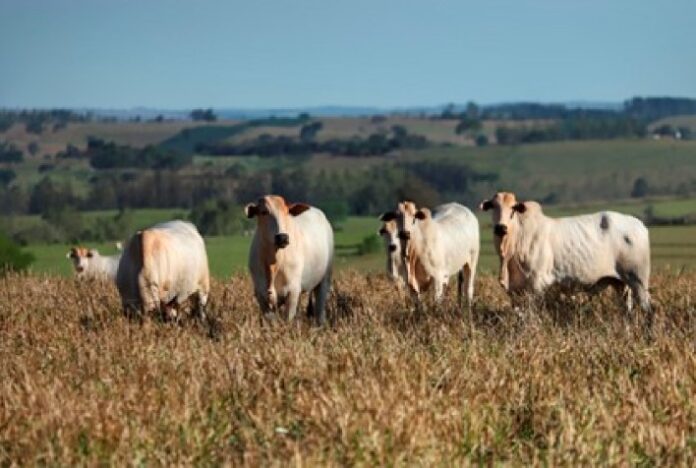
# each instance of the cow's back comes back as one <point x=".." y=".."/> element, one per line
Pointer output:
<point x="595" y="245"/>
<point x="318" y="246"/>
<point x="458" y="234"/>
<point x="170" y="254"/>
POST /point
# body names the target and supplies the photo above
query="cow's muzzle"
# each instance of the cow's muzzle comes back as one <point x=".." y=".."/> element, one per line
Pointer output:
<point x="404" y="235"/>
<point x="392" y="247"/>
<point x="282" y="240"/>
<point x="500" y="230"/>
<point x="80" y="269"/>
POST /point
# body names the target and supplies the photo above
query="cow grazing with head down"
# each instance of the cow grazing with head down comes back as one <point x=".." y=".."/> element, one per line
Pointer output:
<point x="90" y="264"/>
<point x="162" y="267"/>
<point x="599" y="249"/>
<point x="291" y="253"/>
<point x="436" y="245"/>
<point x="392" y="245"/>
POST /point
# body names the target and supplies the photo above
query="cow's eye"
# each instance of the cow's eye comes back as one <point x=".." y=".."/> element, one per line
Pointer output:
<point x="89" y="255"/>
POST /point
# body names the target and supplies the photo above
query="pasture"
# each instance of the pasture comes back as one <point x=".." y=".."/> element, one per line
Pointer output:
<point x="573" y="382"/>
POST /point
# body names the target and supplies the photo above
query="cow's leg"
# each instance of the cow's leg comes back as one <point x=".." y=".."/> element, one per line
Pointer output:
<point x="439" y="288"/>
<point x="149" y="294"/>
<point x="203" y="295"/>
<point x="504" y="274"/>
<point x="291" y="302"/>
<point x="461" y="278"/>
<point x="201" y="304"/>
<point x="623" y="291"/>
<point x="310" y="304"/>
<point x="643" y="297"/>
<point x="470" y="275"/>
<point x="321" y="293"/>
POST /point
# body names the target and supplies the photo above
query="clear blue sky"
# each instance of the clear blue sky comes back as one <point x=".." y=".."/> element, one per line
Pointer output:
<point x="287" y="53"/>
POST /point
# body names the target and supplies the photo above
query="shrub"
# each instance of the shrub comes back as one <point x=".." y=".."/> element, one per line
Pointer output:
<point x="369" y="244"/>
<point x="12" y="257"/>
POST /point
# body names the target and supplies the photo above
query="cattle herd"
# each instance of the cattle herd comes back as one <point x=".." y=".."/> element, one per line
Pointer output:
<point x="163" y="266"/>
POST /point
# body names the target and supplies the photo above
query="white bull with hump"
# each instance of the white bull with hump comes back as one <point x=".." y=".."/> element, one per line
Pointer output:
<point x="536" y="251"/>
<point x="291" y="253"/>
<point x="162" y="267"/>
<point x="436" y="245"/>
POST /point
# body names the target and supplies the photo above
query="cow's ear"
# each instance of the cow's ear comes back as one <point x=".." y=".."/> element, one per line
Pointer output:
<point x="486" y="205"/>
<point x="388" y="216"/>
<point x="251" y="210"/>
<point x="297" y="209"/>
<point x="519" y="207"/>
<point x="69" y="254"/>
<point x="423" y="213"/>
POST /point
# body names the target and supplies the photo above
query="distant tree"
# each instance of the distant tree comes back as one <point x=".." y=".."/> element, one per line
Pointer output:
<point x="206" y="115"/>
<point x="9" y="153"/>
<point x="467" y="124"/>
<point x="67" y="220"/>
<point x="35" y="125"/>
<point x="481" y="140"/>
<point x="399" y="131"/>
<point x="418" y="191"/>
<point x="448" y="112"/>
<point x="369" y="244"/>
<point x="472" y="110"/>
<point x="49" y="196"/>
<point x="309" y="131"/>
<point x="33" y="148"/>
<point x="6" y="176"/>
<point x="236" y="170"/>
<point x="45" y="167"/>
<point x="12" y="258"/>
<point x="640" y="188"/>
<point x="336" y="209"/>
<point x="219" y="217"/>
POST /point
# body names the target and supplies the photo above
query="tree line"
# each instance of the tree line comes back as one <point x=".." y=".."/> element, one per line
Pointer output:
<point x="376" y="144"/>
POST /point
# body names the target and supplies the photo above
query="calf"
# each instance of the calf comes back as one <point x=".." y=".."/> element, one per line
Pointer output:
<point x="162" y="267"/>
<point x="89" y="264"/>
<point x="291" y="253"/>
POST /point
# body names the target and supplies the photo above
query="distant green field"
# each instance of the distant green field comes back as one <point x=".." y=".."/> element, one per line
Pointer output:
<point x="577" y="170"/>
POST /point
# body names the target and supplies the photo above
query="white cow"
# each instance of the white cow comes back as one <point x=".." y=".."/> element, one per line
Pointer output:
<point x="90" y="264"/>
<point x="435" y="246"/>
<point x="291" y="253"/>
<point x="395" y="265"/>
<point x="162" y="267"/>
<point x="599" y="249"/>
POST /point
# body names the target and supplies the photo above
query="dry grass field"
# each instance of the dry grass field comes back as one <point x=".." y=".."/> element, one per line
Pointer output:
<point x="572" y="382"/>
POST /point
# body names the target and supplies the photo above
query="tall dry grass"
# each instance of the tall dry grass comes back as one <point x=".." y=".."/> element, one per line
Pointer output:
<point x="572" y="383"/>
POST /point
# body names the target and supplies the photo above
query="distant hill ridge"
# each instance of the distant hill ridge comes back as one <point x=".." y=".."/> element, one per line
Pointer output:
<point x="639" y="107"/>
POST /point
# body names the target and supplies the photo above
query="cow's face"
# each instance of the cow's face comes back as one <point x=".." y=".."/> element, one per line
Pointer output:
<point x="80" y="258"/>
<point x="389" y="233"/>
<point x="503" y="207"/>
<point x="272" y="214"/>
<point x="406" y="216"/>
